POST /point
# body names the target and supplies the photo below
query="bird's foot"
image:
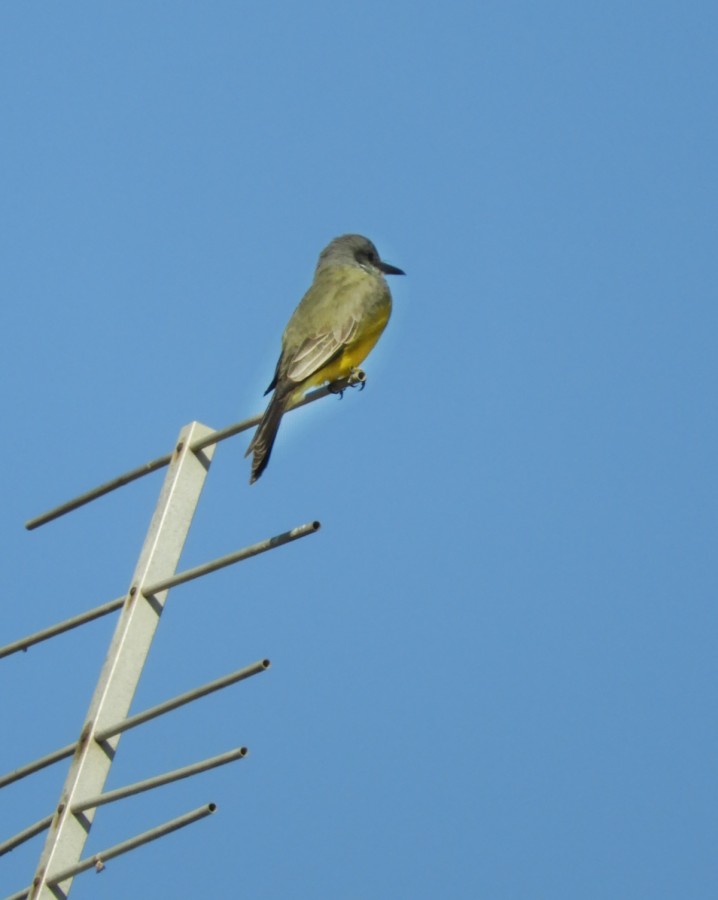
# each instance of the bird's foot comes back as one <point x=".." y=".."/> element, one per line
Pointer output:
<point x="355" y="377"/>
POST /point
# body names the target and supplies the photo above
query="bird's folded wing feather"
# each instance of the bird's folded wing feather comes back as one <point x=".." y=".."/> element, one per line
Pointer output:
<point x="316" y="351"/>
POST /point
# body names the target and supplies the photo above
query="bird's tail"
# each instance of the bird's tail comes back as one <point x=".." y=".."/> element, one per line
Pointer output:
<point x="263" y="440"/>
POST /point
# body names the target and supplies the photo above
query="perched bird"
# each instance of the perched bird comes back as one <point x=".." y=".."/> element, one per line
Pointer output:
<point x="336" y="324"/>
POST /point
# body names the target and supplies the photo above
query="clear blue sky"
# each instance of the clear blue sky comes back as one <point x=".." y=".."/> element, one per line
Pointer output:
<point x="494" y="668"/>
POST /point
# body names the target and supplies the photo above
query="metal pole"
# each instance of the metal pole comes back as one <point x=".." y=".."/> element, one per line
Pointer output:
<point x="181" y="700"/>
<point x="236" y="556"/>
<point x="124" y="662"/>
<point x="128" y="790"/>
<point x="61" y="627"/>
<point x="149" y="784"/>
<point x="181" y="578"/>
<point x="47" y="760"/>
<point x="98" y="860"/>
<point x="210" y="439"/>
<point x="25" y="835"/>
<point x="138" y="719"/>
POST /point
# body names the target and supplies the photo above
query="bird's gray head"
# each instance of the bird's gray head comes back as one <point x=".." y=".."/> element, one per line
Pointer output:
<point x="355" y="250"/>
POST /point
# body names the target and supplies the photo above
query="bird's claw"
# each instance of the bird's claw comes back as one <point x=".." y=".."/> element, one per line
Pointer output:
<point x="355" y="377"/>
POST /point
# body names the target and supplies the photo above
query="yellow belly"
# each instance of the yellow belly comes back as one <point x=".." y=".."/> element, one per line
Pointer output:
<point x="354" y="353"/>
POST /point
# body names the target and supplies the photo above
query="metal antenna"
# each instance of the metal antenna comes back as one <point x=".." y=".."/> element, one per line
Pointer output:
<point x="140" y="608"/>
<point x="213" y="437"/>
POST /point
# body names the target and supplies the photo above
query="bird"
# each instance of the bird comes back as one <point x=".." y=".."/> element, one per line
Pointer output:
<point x="336" y="324"/>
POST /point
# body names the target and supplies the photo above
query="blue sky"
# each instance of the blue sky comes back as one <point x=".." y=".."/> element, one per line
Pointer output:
<point x="494" y="668"/>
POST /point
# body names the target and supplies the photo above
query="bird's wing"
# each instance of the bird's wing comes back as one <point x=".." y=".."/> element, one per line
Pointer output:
<point x="316" y="351"/>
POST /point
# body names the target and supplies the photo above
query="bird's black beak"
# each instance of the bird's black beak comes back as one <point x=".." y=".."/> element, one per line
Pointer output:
<point x="390" y="270"/>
